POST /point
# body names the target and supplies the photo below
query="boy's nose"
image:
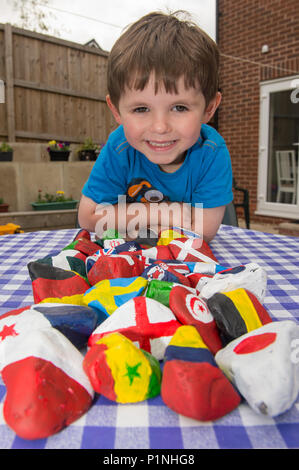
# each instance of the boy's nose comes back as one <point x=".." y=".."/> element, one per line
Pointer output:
<point x="160" y="124"/>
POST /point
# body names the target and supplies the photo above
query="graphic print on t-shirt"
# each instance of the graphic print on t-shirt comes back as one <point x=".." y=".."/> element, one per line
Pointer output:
<point x="140" y="190"/>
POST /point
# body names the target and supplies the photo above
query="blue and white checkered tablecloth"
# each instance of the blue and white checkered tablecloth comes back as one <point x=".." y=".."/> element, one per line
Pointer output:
<point x="150" y="424"/>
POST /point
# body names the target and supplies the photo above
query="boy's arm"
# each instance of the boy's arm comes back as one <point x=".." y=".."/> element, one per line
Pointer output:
<point x="128" y="217"/>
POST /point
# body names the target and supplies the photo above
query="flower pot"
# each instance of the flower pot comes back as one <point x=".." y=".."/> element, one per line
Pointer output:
<point x="87" y="155"/>
<point x="6" y="156"/>
<point x="59" y="155"/>
<point x="4" y="207"/>
<point x="53" y="206"/>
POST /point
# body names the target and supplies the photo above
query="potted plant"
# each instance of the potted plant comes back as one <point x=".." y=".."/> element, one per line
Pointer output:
<point x="89" y="150"/>
<point x="3" y="206"/>
<point x="58" y="151"/>
<point x="6" y="152"/>
<point x="55" y="201"/>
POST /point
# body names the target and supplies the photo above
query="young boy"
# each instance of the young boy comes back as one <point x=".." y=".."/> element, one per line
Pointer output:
<point x="163" y="89"/>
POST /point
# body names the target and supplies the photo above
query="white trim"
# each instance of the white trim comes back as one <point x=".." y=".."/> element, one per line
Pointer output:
<point x="274" y="209"/>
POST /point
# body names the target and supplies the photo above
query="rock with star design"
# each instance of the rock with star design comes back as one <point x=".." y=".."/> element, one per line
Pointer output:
<point x="46" y="386"/>
<point x="122" y="372"/>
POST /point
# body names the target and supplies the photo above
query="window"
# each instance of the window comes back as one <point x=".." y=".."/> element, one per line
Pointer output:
<point x="278" y="185"/>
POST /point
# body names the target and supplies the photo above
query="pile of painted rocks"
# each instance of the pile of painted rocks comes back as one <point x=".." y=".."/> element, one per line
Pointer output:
<point x="132" y="320"/>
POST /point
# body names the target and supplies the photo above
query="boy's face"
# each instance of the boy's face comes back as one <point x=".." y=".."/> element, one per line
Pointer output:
<point x="163" y="126"/>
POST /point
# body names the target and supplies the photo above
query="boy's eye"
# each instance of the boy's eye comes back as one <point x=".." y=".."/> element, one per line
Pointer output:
<point x="140" y="109"/>
<point x="180" y="108"/>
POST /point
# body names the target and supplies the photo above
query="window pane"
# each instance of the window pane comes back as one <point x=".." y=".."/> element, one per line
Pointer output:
<point x="283" y="135"/>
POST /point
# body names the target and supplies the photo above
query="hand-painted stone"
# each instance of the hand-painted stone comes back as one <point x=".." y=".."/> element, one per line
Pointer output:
<point x="159" y="290"/>
<point x="146" y="322"/>
<point x="191" y="249"/>
<point x="128" y="248"/>
<point x="51" y="284"/>
<point x="264" y="366"/>
<point x="106" y="296"/>
<point x="198" y="281"/>
<point x="158" y="253"/>
<point x="113" y="243"/>
<point x="190" y="309"/>
<point x="192" y="383"/>
<point x="70" y="260"/>
<point x="122" y="372"/>
<point x="76" y="322"/>
<point x="251" y="277"/>
<point x="166" y="236"/>
<point x="165" y="272"/>
<point x="237" y="312"/>
<point x="84" y="245"/>
<point x="47" y="388"/>
<point x="115" y="266"/>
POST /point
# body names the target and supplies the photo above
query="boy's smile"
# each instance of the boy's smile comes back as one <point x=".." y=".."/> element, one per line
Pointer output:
<point x="163" y="126"/>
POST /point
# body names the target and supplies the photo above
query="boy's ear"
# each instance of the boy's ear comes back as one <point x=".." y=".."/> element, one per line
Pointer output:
<point x="113" y="109"/>
<point x="212" y="106"/>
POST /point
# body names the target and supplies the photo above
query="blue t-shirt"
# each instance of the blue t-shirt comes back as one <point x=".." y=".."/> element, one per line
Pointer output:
<point x="204" y="177"/>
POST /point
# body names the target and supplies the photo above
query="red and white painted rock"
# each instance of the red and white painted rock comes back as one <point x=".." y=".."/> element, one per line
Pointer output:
<point x="145" y="321"/>
<point x="47" y="388"/>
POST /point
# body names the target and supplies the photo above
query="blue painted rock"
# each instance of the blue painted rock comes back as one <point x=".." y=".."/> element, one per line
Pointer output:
<point x="47" y="388"/>
<point x="251" y="277"/>
<point x="106" y="296"/>
<point x="51" y="284"/>
<point x="190" y="309"/>
<point x="264" y="366"/>
<point x="164" y="271"/>
<point x="74" y="321"/>
<point x="146" y="322"/>
<point x="122" y="372"/>
<point x="237" y="313"/>
<point x="192" y="383"/>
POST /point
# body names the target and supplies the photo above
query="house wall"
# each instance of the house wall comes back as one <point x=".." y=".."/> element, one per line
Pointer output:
<point x="244" y="26"/>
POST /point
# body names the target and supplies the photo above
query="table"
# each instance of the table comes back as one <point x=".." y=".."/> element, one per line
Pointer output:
<point x="150" y="424"/>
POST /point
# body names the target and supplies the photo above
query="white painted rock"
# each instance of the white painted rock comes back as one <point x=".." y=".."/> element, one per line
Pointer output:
<point x="250" y="276"/>
<point x="264" y="366"/>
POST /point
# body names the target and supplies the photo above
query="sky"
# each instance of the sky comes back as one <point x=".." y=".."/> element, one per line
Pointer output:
<point x="104" y="20"/>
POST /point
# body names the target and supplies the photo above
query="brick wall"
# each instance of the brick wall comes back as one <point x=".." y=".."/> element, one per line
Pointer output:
<point x="244" y="26"/>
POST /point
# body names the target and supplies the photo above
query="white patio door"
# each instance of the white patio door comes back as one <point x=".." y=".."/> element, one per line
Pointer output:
<point x="279" y="131"/>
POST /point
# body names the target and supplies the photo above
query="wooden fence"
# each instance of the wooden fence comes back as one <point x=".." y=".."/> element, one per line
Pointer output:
<point x="54" y="89"/>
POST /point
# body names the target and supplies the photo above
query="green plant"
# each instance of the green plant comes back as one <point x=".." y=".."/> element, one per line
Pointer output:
<point x="5" y="147"/>
<point x="89" y="144"/>
<point x="1" y="200"/>
<point x="58" y="146"/>
<point x="57" y="197"/>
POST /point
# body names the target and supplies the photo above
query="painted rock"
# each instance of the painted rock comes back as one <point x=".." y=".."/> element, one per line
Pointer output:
<point x="191" y="249"/>
<point x="158" y="253"/>
<point x="47" y="388"/>
<point x="130" y="247"/>
<point x="146" y="322"/>
<point x="115" y="266"/>
<point x="166" y="236"/>
<point x="190" y="309"/>
<point x="251" y="277"/>
<point x="51" y="284"/>
<point x="106" y="296"/>
<point x="237" y="312"/>
<point x="159" y="290"/>
<point x="192" y="383"/>
<point x="114" y="242"/>
<point x="74" y="321"/>
<point x="198" y="281"/>
<point x="83" y="244"/>
<point x="122" y="372"/>
<point x="264" y="366"/>
<point x="70" y="260"/>
<point x="164" y="271"/>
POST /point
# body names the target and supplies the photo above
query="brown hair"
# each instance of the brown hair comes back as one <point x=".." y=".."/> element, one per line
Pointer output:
<point x="169" y="47"/>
